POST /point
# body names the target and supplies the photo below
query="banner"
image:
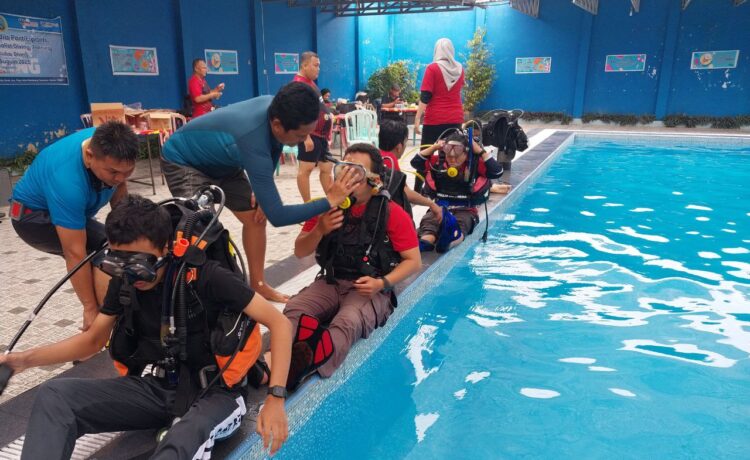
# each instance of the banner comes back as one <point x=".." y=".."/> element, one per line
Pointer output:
<point x="32" y="51"/>
<point x="625" y="63"/>
<point x="286" y="62"/>
<point x="707" y="60"/>
<point x="221" y="61"/>
<point x="134" y="60"/>
<point x="533" y="64"/>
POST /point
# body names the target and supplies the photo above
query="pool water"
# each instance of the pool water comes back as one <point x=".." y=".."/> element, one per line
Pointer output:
<point x="607" y="316"/>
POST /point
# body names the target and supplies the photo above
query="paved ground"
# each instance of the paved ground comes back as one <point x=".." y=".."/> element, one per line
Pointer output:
<point x="26" y="274"/>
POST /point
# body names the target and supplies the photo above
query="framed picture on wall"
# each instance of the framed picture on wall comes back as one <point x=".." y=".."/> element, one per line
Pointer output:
<point x="32" y="51"/>
<point x="134" y="60"/>
<point x="533" y="65"/>
<point x="285" y="63"/>
<point x="709" y="60"/>
<point x="625" y="63"/>
<point x="221" y="62"/>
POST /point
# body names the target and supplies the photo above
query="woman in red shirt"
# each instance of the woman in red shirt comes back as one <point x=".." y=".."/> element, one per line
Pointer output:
<point x="440" y="98"/>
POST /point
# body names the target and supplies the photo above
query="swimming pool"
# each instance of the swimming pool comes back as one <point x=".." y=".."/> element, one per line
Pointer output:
<point x="607" y="315"/>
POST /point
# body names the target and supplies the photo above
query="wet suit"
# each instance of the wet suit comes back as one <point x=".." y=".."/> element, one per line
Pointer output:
<point x="236" y="137"/>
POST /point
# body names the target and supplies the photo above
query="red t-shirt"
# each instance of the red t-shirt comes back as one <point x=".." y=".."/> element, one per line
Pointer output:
<point x="445" y="107"/>
<point x="400" y="227"/>
<point x="323" y="128"/>
<point x="390" y="160"/>
<point x="197" y="86"/>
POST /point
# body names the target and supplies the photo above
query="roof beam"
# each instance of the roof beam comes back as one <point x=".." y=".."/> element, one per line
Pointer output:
<point x="527" y="7"/>
<point x="592" y="6"/>
<point x="366" y="8"/>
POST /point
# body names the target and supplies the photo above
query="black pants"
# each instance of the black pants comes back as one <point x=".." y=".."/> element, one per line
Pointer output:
<point x="430" y="135"/>
<point x="66" y="409"/>
<point x="37" y="230"/>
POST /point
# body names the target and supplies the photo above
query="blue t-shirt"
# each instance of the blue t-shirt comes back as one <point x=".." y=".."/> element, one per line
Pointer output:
<point x="58" y="181"/>
<point x="239" y="136"/>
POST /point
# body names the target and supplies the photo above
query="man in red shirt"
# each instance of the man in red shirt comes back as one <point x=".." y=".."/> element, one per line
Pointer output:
<point x="313" y="151"/>
<point x="200" y="93"/>
<point x="363" y="252"/>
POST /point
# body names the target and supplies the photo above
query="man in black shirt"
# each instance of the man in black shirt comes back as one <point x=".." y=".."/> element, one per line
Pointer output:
<point x="393" y="98"/>
<point x="149" y="396"/>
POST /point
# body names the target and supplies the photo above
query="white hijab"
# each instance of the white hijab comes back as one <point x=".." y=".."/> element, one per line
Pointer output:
<point x="443" y="57"/>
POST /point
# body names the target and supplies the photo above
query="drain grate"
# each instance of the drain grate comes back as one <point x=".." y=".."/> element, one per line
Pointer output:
<point x="86" y="446"/>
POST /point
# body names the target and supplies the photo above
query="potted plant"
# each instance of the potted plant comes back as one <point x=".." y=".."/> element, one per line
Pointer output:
<point x="479" y="73"/>
<point x="398" y="73"/>
<point x="21" y="162"/>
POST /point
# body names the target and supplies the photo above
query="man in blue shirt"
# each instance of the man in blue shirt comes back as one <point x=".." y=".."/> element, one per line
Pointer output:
<point x="243" y="141"/>
<point x="54" y="204"/>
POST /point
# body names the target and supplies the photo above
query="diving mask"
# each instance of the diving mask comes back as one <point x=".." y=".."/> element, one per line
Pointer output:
<point x="132" y="266"/>
<point x="454" y="149"/>
<point x="360" y="172"/>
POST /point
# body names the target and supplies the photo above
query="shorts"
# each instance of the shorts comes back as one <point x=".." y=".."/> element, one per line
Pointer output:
<point x="467" y="218"/>
<point x="317" y="154"/>
<point x="184" y="181"/>
<point x="36" y="229"/>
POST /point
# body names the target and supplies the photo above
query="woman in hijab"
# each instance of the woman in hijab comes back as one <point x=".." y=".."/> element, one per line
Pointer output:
<point x="440" y="98"/>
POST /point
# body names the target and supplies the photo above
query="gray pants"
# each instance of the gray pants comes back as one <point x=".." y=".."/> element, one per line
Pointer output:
<point x="66" y="409"/>
<point x="350" y="315"/>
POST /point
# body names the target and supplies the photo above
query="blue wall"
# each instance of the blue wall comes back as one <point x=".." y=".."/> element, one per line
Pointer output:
<point x="374" y="46"/>
<point x="336" y="44"/>
<point x="352" y="48"/>
<point x="102" y="25"/>
<point x="283" y="30"/>
<point x="578" y="43"/>
<point x="37" y="114"/>
<point x="556" y="33"/>
<point x="179" y="29"/>
<point x="642" y="33"/>
<point x="712" y="25"/>
<point x="223" y="25"/>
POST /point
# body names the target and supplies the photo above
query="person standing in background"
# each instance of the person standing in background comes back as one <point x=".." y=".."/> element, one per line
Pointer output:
<point x="201" y="94"/>
<point x="440" y="96"/>
<point x="312" y="152"/>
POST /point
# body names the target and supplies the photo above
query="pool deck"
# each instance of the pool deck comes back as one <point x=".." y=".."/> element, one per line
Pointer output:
<point x="27" y="274"/>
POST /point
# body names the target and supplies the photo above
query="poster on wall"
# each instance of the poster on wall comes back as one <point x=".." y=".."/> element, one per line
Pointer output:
<point x="221" y="61"/>
<point x="625" y="63"/>
<point x="134" y="60"/>
<point x="533" y="64"/>
<point x="708" y="60"/>
<point x="32" y="51"/>
<point x="286" y="62"/>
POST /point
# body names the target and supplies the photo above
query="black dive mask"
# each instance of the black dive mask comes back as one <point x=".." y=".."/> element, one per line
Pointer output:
<point x="131" y="266"/>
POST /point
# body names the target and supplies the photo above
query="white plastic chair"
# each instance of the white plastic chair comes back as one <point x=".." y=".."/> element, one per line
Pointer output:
<point x="361" y="126"/>
<point x="178" y="121"/>
<point x="86" y="120"/>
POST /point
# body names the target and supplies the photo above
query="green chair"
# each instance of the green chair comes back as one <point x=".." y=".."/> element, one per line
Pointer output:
<point x="361" y="126"/>
<point x="288" y="153"/>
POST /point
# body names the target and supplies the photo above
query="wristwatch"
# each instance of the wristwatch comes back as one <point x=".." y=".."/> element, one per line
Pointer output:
<point x="277" y="391"/>
<point x="387" y="286"/>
